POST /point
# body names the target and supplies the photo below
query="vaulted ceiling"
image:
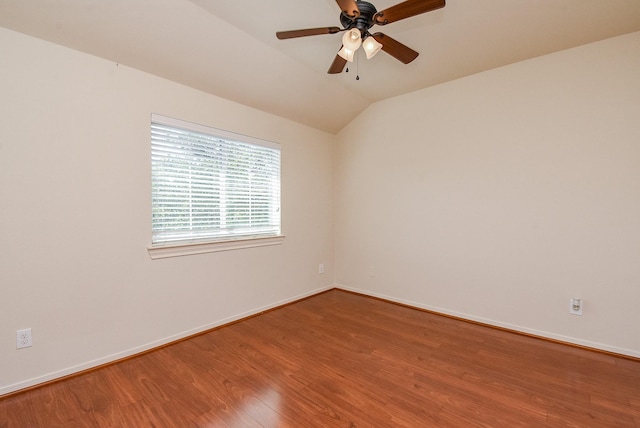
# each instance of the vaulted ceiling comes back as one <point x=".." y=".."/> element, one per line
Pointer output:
<point x="228" y="48"/>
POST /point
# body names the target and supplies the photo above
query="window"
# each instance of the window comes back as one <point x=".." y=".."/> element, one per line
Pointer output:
<point x="212" y="186"/>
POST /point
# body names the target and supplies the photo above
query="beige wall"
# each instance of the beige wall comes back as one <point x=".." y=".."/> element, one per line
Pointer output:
<point x="75" y="215"/>
<point x="500" y="196"/>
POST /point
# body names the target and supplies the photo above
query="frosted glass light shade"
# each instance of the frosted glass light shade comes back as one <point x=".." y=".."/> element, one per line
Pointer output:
<point x="346" y="54"/>
<point x="352" y="39"/>
<point x="371" y="47"/>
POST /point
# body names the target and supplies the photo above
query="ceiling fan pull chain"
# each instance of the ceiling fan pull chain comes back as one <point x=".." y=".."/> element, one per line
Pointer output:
<point x="357" y="66"/>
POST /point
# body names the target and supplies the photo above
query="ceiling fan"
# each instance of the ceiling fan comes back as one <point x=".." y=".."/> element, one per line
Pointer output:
<point x="357" y="18"/>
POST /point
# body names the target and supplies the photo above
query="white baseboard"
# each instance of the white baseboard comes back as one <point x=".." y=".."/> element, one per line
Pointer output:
<point x="513" y="327"/>
<point x="164" y="341"/>
<point x="151" y="345"/>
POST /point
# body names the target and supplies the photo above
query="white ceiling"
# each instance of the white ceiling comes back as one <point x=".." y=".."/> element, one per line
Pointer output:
<point x="228" y="47"/>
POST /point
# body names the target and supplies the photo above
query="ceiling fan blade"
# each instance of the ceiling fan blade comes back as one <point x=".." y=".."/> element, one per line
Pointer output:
<point x="407" y="9"/>
<point x="396" y="49"/>
<point x="349" y="8"/>
<point x="307" y="32"/>
<point x="337" y="65"/>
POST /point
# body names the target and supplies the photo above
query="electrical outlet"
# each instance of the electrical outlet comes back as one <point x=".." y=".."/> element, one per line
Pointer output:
<point x="575" y="306"/>
<point x="321" y="268"/>
<point x="23" y="338"/>
<point x="372" y="271"/>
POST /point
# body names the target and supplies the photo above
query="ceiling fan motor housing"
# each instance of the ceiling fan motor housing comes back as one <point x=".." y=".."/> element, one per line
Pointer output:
<point x="362" y="22"/>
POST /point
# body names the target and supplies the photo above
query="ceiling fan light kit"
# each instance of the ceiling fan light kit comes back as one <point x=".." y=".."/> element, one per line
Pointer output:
<point x="357" y="17"/>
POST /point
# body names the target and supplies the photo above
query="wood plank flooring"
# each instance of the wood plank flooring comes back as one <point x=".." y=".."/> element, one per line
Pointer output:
<point x="343" y="360"/>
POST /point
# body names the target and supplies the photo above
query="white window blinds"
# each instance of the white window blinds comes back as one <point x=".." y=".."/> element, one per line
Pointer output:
<point x="211" y="185"/>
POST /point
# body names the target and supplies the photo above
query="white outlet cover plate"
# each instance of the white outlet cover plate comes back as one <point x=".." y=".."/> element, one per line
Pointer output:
<point x="573" y="311"/>
<point x="23" y="338"/>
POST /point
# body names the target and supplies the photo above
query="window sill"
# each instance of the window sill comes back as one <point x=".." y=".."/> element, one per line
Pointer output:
<point x="177" y="250"/>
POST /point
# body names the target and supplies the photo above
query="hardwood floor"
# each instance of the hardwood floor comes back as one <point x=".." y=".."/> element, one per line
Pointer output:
<point x="344" y="360"/>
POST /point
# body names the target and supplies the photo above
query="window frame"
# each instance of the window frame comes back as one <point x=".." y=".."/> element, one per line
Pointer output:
<point x="174" y="248"/>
